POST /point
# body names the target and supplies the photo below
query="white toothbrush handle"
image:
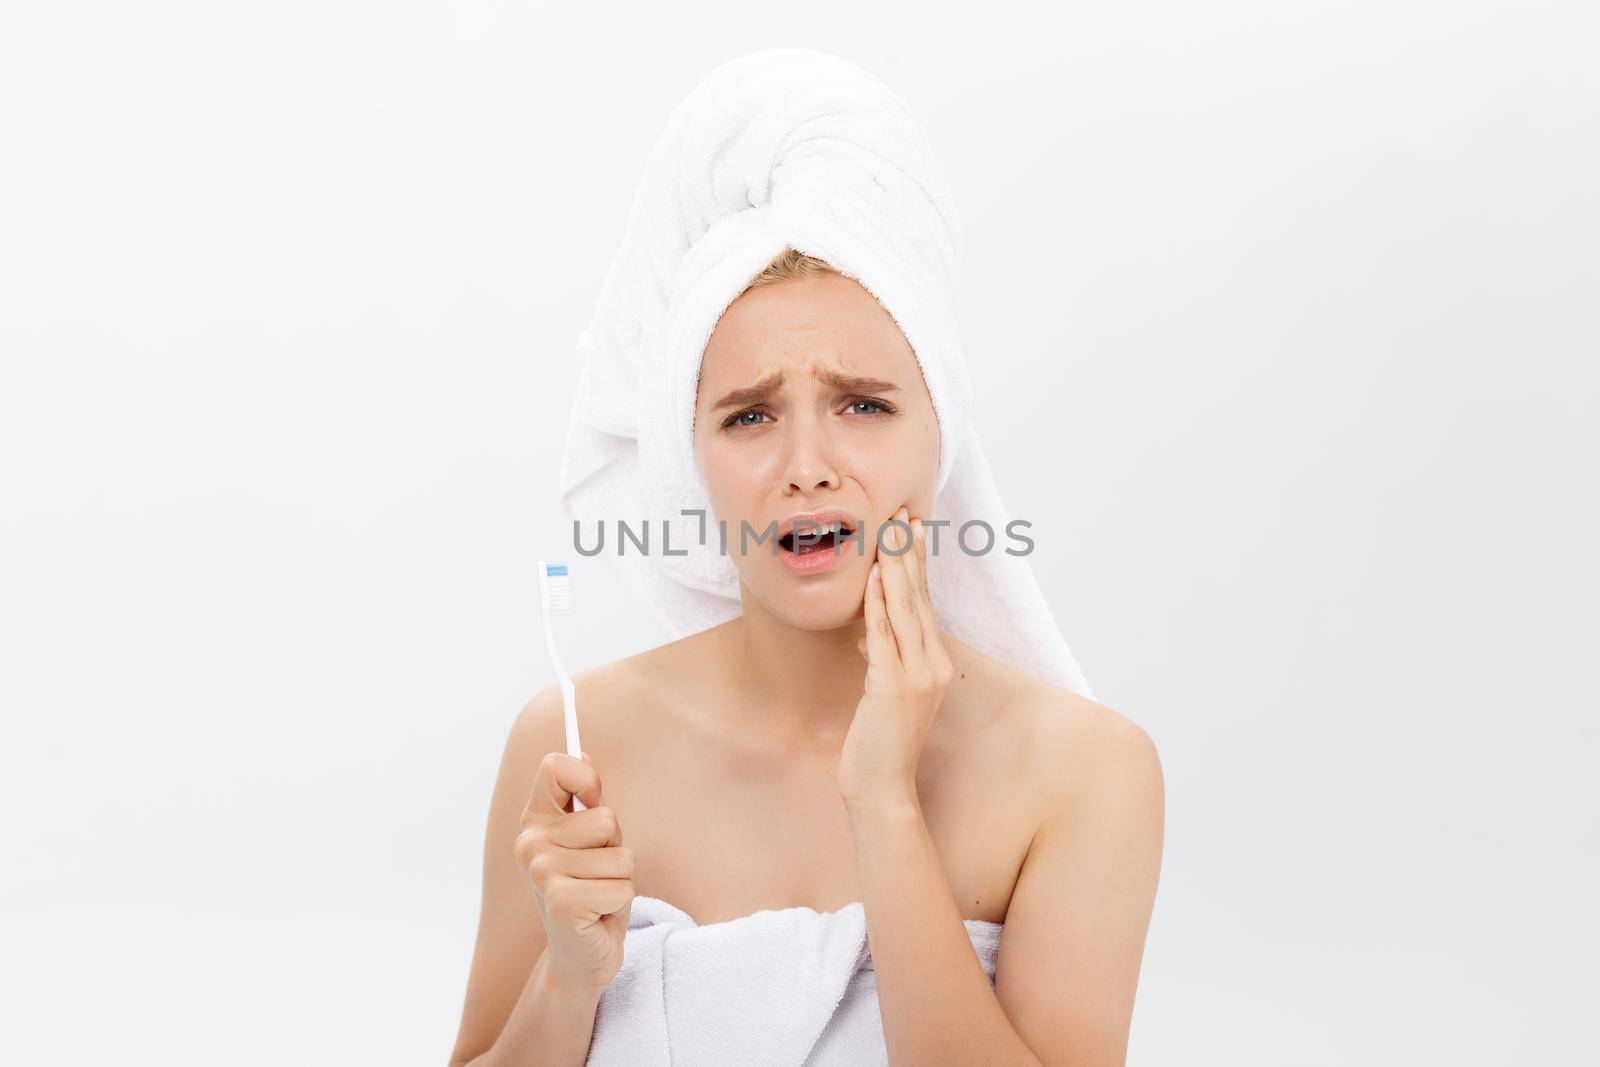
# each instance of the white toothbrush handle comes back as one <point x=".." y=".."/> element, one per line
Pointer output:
<point x="569" y="701"/>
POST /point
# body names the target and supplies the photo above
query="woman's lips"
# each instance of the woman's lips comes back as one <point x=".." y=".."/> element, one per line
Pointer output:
<point x="818" y="557"/>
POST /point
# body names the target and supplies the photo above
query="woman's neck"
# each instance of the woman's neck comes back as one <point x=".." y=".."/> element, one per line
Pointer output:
<point x="802" y="685"/>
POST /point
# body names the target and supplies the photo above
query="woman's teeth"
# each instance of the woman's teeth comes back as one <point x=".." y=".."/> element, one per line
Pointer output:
<point x="816" y="538"/>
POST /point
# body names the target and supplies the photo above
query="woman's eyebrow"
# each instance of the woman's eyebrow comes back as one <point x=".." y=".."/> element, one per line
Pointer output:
<point x="752" y="394"/>
<point x="852" y="384"/>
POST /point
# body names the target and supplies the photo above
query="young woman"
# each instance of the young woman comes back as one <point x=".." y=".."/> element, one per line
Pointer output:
<point x="829" y="745"/>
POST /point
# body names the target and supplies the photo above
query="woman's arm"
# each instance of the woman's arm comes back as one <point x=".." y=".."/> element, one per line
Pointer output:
<point x="517" y="1011"/>
<point x="551" y="1024"/>
<point x="1075" y="927"/>
<point x="936" y="1003"/>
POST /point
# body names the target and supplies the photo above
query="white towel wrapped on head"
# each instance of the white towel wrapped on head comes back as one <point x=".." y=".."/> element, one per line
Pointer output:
<point x="784" y="148"/>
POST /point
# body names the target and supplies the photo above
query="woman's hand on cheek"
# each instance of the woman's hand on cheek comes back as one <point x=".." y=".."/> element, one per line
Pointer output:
<point x="908" y="672"/>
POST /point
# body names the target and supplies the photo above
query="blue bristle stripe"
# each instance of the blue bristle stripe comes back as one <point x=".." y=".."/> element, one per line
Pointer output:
<point x="555" y="569"/>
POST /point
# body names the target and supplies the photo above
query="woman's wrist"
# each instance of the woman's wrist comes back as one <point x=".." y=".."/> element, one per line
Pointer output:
<point x="551" y="1023"/>
<point x="888" y="800"/>
<point x="555" y="986"/>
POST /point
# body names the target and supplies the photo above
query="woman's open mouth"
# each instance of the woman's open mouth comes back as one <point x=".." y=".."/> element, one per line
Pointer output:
<point x="814" y="546"/>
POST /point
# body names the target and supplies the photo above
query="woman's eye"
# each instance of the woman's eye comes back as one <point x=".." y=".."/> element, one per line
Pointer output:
<point x="751" y="417"/>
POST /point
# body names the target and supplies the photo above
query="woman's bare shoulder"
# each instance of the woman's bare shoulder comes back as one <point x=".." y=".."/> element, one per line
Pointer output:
<point x="1058" y="742"/>
<point x="1067" y="718"/>
<point x="1080" y="749"/>
<point x="617" y="702"/>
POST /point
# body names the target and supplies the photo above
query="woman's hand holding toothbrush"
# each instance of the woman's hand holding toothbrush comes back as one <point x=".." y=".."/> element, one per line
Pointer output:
<point x="582" y="874"/>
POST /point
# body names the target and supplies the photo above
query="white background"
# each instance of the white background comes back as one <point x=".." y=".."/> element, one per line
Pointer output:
<point x="1283" y="320"/>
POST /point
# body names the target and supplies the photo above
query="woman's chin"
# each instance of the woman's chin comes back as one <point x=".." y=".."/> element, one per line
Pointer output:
<point x="818" y="622"/>
<point x="813" y="606"/>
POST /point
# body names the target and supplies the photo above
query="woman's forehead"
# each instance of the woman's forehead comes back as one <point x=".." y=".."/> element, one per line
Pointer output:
<point x="803" y="327"/>
<point x="777" y="369"/>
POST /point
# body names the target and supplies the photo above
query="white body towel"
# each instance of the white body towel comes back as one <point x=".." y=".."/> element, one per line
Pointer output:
<point x="786" y="147"/>
<point x="785" y="987"/>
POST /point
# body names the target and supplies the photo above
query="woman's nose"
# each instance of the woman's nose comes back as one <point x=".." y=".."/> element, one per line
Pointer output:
<point x="810" y="463"/>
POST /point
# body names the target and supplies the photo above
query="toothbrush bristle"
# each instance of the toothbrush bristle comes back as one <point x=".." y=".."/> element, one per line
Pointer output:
<point x="558" y="587"/>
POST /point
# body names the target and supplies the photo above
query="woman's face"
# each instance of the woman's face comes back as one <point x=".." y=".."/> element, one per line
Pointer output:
<point x="811" y="398"/>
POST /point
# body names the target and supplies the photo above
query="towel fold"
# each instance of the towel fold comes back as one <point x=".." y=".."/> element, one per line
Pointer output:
<point x="785" y="148"/>
<point x="786" y="987"/>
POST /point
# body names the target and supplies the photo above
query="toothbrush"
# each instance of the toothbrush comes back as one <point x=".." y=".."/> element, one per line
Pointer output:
<point x="555" y="594"/>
